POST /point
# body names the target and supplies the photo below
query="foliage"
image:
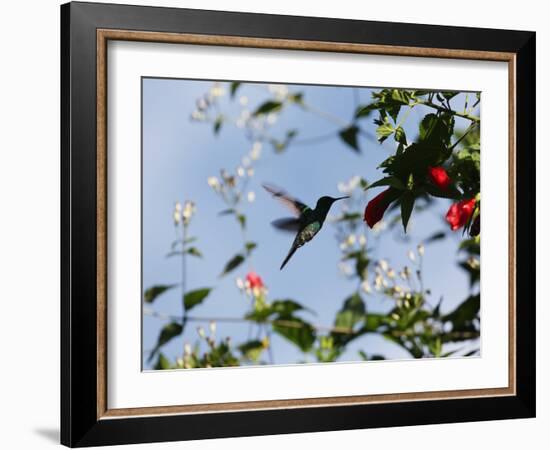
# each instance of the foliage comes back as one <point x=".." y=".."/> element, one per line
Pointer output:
<point x="440" y="160"/>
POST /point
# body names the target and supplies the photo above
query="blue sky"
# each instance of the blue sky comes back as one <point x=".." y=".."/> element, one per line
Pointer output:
<point x="178" y="157"/>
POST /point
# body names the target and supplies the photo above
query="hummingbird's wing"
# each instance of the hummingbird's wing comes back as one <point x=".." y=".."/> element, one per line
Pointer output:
<point x="287" y="224"/>
<point x="296" y="206"/>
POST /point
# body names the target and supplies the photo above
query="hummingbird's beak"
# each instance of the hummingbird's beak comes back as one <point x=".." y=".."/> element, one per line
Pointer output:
<point x="341" y="198"/>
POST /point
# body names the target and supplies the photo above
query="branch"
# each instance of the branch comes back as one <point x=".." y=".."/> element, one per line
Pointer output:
<point x="449" y="111"/>
<point x="280" y="323"/>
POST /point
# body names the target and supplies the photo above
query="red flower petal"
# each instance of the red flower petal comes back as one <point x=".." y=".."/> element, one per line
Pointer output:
<point x="254" y="280"/>
<point x="376" y="208"/>
<point x="459" y="213"/>
<point x="439" y="177"/>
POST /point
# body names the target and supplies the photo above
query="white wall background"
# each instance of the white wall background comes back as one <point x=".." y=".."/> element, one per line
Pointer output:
<point x="29" y="225"/>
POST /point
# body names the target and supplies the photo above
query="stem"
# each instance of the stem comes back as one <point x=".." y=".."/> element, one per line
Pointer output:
<point x="449" y="111"/>
<point x="314" y="139"/>
<point x="281" y="323"/>
<point x="183" y="272"/>
<point x="325" y="115"/>
<point x="470" y="128"/>
<point x="270" y="346"/>
<point x="405" y="116"/>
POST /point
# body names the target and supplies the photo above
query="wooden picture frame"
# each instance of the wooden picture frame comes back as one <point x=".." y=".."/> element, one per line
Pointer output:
<point x="86" y="418"/>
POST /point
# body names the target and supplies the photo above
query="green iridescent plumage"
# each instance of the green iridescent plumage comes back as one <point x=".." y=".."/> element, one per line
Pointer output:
<point x="307" y="222"/>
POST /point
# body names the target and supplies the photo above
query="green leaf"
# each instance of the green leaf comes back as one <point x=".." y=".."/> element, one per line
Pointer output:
<point x="297" y="98"/>
<point x="194" y="251"/>
<point x="242" y="220"/>
<point x="153" y="292"/>
<point x="218" y="124"/>
<point x="400" y="136"/>
<point x="473" y="272"/>
<point x="349" y="136"/>
<point x="384" y="130"/>
<point x="162" y="363"/>
<point x="194" y="298"/>
<point x="300" y="333"/>
<point x="414" y="159"/>
<point x="373" y="321"/>
<point x="167" y="333"/>
<point x="280" y="146"/>
<point x="437" y="130"/>
<point x="268" y="107"/>
<point x="436" y="237"/>
<point x="249" y="246"/>
<point x="471" y="245"/>
<point x="464" y="313"/>
<point x="226" y="212"/>
<point x="374" y="357"/>
<point x="388" y="181"/>
<point x="361" y="262"/>
<point x="233" y="88"/>
<point x="471" y="352"/>
<point x="401" y="96"/>
<point x="252" y="350"/>
<point x="452" y="193"/>
<point x="449" y="94"/>
<point x="286" y="307"/>
<point x="232" y="264"/>
<point x="365" y="110"/>
<point x="349" y="217"/>
<point x="352" y="312"/>
<point x="407" y="205"/>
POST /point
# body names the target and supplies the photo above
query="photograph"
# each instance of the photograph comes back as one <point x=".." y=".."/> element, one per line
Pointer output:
<point x="304" y="224"/>
<point x="271" y="224"/>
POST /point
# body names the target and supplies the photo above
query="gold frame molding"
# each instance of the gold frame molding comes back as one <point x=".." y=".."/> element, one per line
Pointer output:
<point x="103" y="36"/>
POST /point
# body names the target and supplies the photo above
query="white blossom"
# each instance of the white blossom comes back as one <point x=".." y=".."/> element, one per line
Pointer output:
<point x="366" y="287"/>
<point x="240" y="283"/>
<point x="189" y="210"/>
<point x="256" y="151"/>
<point x="216" y="91"/>
<point x="280" y="91"/>
<point x="213" y="182"/>
<point x="271" y="118"/>
<point x="212" y="326"/>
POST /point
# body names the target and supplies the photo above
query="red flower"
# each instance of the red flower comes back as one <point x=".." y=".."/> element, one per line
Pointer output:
<point x="459" y="213"/>
<point x="376" y="208"/>
<point x="254" y="280"/>
<point x="439" y="177"/>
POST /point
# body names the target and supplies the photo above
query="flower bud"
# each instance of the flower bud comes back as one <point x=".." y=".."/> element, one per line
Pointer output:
<point x="212" y="326"/>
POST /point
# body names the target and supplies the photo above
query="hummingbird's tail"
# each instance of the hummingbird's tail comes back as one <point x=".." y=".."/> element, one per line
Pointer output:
<point x="290" y="253"/>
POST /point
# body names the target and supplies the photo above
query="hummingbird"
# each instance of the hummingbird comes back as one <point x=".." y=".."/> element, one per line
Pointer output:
<point x="307" y="222"/>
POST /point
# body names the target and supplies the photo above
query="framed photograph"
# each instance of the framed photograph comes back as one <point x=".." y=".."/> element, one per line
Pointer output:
<point x="276" y="224"/>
